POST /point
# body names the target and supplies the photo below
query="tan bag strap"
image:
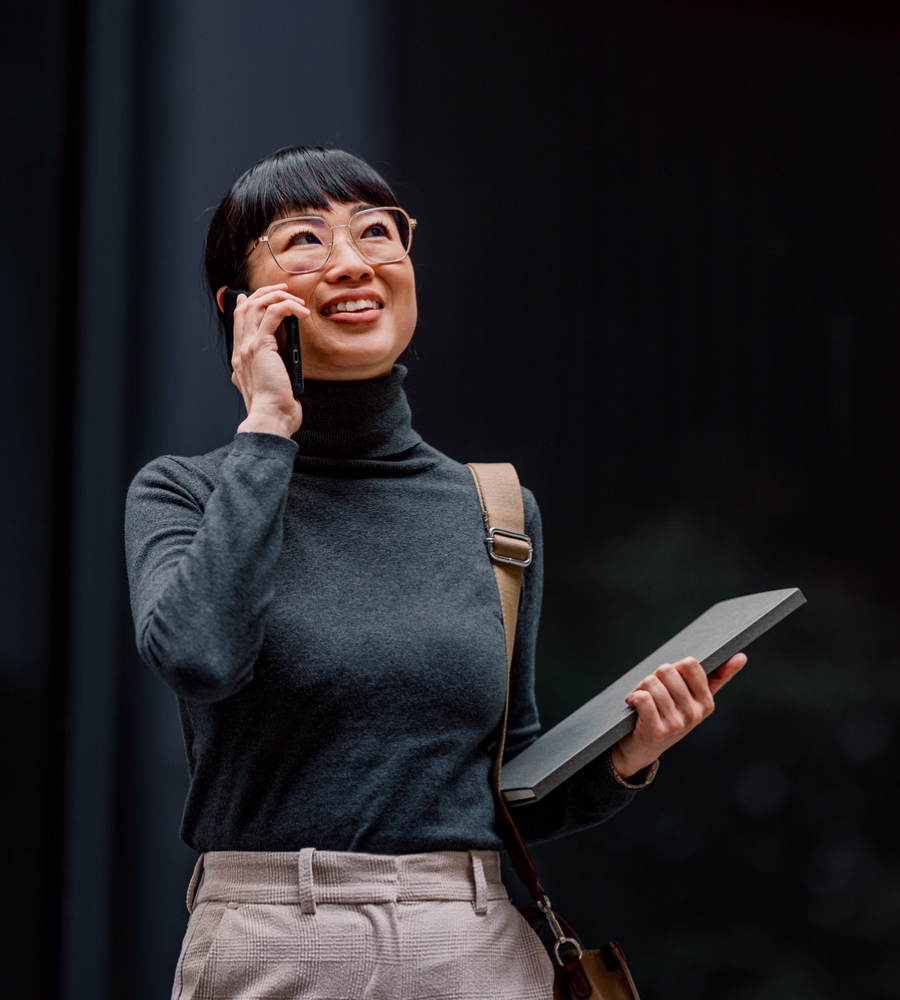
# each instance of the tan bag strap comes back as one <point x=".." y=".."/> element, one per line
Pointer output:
<point x="510" y="550"/>
<point x="508" y="546"/>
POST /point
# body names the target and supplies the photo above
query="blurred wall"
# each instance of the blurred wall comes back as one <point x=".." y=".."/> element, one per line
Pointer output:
<point x="131" y="121"/>
<point x="657" y="267"/>
<point x="34" y="191"/>
<point x="658" y="260"/>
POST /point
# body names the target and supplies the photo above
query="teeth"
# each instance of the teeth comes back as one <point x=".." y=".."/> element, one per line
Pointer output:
<point x="352" y="306"/>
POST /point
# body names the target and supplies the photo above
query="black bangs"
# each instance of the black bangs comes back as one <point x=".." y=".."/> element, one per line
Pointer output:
<point x="294" y="179"/>
<point x="304" y="178"/>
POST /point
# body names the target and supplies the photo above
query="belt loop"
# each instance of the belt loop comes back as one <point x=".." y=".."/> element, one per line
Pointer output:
<point x="305" y="881"/>
<point x="480" y="883"/>
<point x="192" y="885"/>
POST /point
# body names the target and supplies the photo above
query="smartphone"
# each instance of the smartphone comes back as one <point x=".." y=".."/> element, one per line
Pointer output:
<point x="288" y="339"/>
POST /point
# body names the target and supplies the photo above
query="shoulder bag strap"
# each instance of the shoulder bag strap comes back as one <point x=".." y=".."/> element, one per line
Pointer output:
<point x="510" y="550"/>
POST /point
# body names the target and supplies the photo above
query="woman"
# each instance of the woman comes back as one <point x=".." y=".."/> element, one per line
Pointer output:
<point x="318" y="595"/>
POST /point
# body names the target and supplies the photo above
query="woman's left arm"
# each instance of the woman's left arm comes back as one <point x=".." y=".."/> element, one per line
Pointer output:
<point x="669" y="703"/>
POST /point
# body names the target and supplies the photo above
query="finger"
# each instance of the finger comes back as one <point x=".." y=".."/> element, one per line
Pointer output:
<point x="643" y="684"/>
<point x="276" y="314"/>
<point x="692" y="709"/>
<point x="664" y="702"/>
<point x="281" y="285"/>
<point x="695" y="678"/>
<point x="652" y="685"/>
<point x="246" y="300"/>
<point x="649" y="719"/>
<point x="259" y="327"/>
<point x="257" y="304"/>
<point x="274" y="291"/>
<point x="249" y="311"/>
<point x="722" y="675"/>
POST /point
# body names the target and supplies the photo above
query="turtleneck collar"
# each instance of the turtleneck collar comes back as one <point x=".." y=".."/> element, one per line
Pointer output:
<point x="368" y="418"/>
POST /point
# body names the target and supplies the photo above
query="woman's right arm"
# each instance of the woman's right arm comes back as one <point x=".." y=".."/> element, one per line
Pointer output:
<point x="202" y="543"/>
<point x="201" y="555"/>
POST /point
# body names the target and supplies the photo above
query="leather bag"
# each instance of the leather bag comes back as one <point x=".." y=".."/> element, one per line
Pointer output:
<point x="601" y="973"/>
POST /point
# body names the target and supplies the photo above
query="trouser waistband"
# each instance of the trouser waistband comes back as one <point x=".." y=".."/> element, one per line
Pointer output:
<point x="310" y="877"/>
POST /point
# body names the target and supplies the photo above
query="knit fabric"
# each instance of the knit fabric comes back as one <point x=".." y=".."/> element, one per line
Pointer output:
<point x="324" y="609"/>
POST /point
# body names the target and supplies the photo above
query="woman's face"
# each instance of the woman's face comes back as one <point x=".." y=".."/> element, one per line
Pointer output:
<point x="347" y="345"/>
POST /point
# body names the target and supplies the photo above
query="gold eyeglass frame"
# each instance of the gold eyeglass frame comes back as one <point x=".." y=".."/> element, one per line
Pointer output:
<point x="346" y="225"/>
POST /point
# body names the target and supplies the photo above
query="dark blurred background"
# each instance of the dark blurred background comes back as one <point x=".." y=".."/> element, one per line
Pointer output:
<point x="658" y="269"/>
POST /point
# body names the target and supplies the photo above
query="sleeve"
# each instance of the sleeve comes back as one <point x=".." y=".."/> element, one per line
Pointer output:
<point x="593" y="794"/>
<point x="201" y="558"/>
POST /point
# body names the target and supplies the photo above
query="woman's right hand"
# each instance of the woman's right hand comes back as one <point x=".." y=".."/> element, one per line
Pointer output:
<point x="257" y="368"/>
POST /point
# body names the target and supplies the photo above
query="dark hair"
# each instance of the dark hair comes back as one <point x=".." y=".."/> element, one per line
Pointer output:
<point x="293" y="179"/>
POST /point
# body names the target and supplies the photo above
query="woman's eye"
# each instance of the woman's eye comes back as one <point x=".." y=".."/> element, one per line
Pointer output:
<point x="305" y="238"/>
<point x="376" y="231"/>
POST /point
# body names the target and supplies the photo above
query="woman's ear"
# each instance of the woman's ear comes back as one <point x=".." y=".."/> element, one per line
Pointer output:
<point x="220" y="298"/>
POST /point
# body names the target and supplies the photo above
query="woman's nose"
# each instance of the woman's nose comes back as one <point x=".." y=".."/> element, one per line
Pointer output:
<point x="346" y="262"/>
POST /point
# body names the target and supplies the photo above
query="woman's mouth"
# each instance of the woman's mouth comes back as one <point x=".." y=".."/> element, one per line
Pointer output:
<point x="352" y="306"/>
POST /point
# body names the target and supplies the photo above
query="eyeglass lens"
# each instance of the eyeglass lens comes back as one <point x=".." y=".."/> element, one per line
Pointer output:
<point x="302" y="244"/>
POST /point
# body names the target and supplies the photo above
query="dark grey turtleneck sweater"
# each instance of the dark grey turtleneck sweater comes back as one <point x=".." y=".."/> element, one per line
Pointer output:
<point x="325" y="610"/>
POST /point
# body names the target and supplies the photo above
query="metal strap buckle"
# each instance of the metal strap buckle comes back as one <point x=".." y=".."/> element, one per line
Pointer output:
<point x="579" y="953"/>
<point x="489" y="541"/>
<point x="546" y="907"/>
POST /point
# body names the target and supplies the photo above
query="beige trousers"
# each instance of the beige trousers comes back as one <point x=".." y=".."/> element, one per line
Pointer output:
<point x="326" y="925"/>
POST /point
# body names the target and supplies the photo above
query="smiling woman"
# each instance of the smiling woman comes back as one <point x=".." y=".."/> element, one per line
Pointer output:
<point x="357" y="287"/>
<point x="318" y="594"/>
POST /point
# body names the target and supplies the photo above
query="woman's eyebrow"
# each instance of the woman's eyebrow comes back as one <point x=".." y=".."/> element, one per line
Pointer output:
<point x="360" y="208"/>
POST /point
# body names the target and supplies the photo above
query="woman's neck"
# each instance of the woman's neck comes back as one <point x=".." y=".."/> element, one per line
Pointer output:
<point x="365" y="418"/>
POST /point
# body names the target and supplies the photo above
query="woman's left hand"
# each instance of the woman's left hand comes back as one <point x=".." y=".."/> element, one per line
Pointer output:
<point x="669" y="703"/>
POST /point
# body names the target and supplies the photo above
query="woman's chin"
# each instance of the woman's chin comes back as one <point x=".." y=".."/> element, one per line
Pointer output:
<point x="350" y="365"/>
<point x="353" y="352"/>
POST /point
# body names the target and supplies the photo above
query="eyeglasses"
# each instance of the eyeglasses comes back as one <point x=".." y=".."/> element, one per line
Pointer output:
<point x="303" y="243"/>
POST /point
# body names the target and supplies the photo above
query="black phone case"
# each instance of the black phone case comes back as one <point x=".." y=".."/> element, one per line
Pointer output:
<point x="289" y="350"/>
